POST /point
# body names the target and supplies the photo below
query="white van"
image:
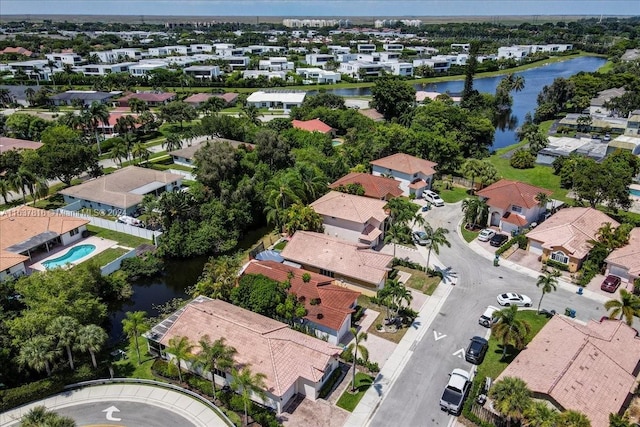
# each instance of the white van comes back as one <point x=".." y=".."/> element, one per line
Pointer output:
<point x="487" y="319"/>
<point x="433" y="198"/>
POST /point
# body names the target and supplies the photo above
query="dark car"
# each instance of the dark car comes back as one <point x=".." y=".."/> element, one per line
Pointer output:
<point x="498" y="240"/>
<point x="610" y="283"/>
<point x="476" y="350"/>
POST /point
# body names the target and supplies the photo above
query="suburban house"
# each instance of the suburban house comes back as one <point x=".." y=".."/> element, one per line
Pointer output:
<point x="376" y="187"/>
<point x="590" y="368"/>
<point x="329" y="306"/>
<point x="7" y="144"/>
<point x="513" y="205"/>
<point x="109" y="127"/>
<point x="415" y="174"/>
<point x="292" y="362"/>
<point x="186" y="156"/>
<point x="597" y="104"/>
<point x="153" y="99"/>
<point x="201" y="72"/>
<point x="121" y="192"/>
<point x="198" y="98"/>
<point x="341" y="260"/>
<point x="82" y="97"/>
<point x="624" y="262"/>
<point x="352" y="218"/>
<point x="276" y="100"/>
<point x="26" y="231"/>
<point x="565" y="237"/>
<point x="315" y="125"/>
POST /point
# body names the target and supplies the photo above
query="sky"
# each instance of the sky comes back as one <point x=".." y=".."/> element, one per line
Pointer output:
<point x="313" y="8"/>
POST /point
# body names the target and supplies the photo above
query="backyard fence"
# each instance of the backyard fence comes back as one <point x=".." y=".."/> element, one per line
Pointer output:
<point x="113" y="225"/>
<point x="184" y="174"/>
<point x="115" y="264"/>
<point x="487" y="416"/>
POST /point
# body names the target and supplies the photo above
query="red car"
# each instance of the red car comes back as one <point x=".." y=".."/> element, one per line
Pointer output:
<point x="610" y="283"/>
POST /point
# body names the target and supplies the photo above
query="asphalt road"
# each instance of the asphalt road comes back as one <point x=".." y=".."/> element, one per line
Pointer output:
<point x="128" y="414"/>
<point x="414" y="398"/>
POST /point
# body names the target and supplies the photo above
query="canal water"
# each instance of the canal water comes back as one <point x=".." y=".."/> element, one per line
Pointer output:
<point x="180" y="275"/>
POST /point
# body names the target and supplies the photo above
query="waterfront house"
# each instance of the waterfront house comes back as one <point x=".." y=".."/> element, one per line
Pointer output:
<point x="415" y="174"/>
<point x="374" y="186"/>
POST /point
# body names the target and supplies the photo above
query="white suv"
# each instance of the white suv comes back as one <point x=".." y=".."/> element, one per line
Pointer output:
<point x="433" y="198"/>
<point x="487" y="318"/>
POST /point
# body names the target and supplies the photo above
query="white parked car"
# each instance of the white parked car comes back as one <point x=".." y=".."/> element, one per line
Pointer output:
<point x="487" y="319"/>
<point x="512" y="298"/>
<point x="486" y="235"/>
<point x="433" y="198"/>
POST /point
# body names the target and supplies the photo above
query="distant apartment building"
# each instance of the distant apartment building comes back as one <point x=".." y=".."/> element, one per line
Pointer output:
<point x="201" y="72"/>
<point x="318" y="75"/>
<point x="62" y="59"/>
<point x="201" y="48"/>
<point x="366" y="47"/>
<point x="521" y="51"/>
<point x="318" y="59"/>
<point x="169" y="50"/>
<point x="358" y="69"/>
<point x="313" y="23"/>
<point x="235" y="61"/>
<point x="276" y="63"/>
<point x="253" y="74"/>
<point x="393" y="47"/>
<point x="439" y="66"/>
<point x="104" y="69"/>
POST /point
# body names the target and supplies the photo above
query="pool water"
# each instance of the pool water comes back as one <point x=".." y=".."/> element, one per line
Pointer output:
<point x="336" y="142"/>
<point x="634" y="192"/>
<point x="70" y="256"/>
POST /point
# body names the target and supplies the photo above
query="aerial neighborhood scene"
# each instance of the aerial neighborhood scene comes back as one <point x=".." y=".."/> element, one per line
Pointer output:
<point x="285" y="214"/>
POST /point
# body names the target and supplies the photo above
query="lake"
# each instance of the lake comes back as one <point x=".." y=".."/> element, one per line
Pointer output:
<point x="523" y="101"/>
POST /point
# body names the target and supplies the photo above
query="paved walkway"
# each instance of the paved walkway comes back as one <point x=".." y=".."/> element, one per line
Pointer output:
<point x="191" y="409"/>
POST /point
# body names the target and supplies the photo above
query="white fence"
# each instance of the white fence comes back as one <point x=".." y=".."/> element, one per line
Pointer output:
<point x="114" y="226"/>
<point x="186" y="175"/>
<point x="115" y="264"/>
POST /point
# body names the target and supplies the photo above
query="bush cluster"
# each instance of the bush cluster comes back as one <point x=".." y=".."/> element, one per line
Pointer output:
<point x="370" y="366"/>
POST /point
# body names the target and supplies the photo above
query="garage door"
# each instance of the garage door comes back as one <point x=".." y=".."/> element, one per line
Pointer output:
<point x="535" y="248"/>
<point x="620" y="272"/>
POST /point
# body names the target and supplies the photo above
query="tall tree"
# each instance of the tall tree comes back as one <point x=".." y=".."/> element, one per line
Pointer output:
<point x="177" y="112"/>
<point x="180" y="348"/>
<point x="172" y="142"/>
<point x="248" y="384"/>
<point x="38" y="353"/>
<point x="548" y="282"/>
<point x="392" y="97"/>
<point x="540" y="414"/>
<point x="91" y="338"/>
<point x="436" y="238"/>
<point x="511" y="397"/>
<point x="65" y="331"/>
<point x="141" y="152"/>
<point x="509" y="329"/>
<point x="626" y="307"/>
<point x="215" y="356"/>
<point x="302" y="217"/>
<point x="219" y="277"/>
<point x="571" y="418"/>
<point x="283" y="190"/>
<point x="133" y="325"/>
<point x="96" y="114"/>
<point x="354" y="348"/>
<point x="472" y="169"/>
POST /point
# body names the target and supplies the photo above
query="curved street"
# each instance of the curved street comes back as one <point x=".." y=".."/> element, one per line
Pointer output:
<point x="413" y="399"/>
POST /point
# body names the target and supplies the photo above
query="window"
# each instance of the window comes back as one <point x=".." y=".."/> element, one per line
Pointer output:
<point x="326" y="272"/>
<point x="516" y="208"/>
<point x="73" y="232"/>
<point x="559" y="256"/>
<point x="220" y="373"/>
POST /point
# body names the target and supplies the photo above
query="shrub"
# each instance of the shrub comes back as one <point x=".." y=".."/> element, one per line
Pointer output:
<point x="29" y="392"/>
<point x="555" y="264"/>
<point x="407" y="263"/>
<point x="522" y="159"/>
<point x="357" y="314"/>
<point x="147" y="265"/>
<point x="328" y="385"/>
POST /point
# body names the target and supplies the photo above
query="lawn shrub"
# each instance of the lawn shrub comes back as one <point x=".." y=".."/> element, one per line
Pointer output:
<point x="555" y="264"/>
<point x="331" y="381"/>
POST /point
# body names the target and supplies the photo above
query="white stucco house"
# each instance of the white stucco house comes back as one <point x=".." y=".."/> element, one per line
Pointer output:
<point x="281" y="100"/>
<point x="415" y="174"/>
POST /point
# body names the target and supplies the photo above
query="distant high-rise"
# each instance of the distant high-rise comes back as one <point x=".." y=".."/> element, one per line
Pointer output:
<point x="313" y="23"/>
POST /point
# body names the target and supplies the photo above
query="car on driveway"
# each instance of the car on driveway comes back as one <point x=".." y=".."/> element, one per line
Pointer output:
<point x="456" y="391"/>
<point x="610" y="283"/>
<point x="487" y="319"/>
<point x="498" y="240"/>
<point x="433" y="198"/>
<point x="486" y="235"/>
<point x="476" y="350"/>
<point x="420" y="238"/>
<point x="512" y="298"/>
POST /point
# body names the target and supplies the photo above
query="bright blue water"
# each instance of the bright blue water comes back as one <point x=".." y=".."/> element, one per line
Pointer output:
<point x="72" y="255"/>
<point x="634" y="192"/>
<point x="523" y="102"/>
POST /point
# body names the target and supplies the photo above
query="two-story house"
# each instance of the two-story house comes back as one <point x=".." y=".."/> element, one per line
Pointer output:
<point x="352" y="218"/>
<point x="415" y="174"/>
<point x="513" y="205"/>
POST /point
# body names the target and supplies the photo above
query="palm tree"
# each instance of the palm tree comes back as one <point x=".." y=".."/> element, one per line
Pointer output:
<point x="252" y="113"/>
<point x="354" y="348"/>
<point x="436" y="238"/>
<point x="549" y="282"/>
<point x="64" y="329"/>
<point x="40" y="416"/>
<point x="119" y="151"/>
<point x="540" y="414"/>
<point x="138" y="105"/>
<point x="180" y="348"/>
<point x="91" y="338"/>
<point x="508" y="329"/>
<point x="471" y="169"/>
<point x="248" y="384"/>
<point x="140" y="151"/>
<point x="125" y="124"/>
<point x="5" y="189"/>
<point x="282" y="191"/>
<point x="511" y="397"/>
<point x="517" y="83"/>
<point x="41" y="188"/>
<point x="476" y="211"/>
<point x="314" y="182"/>
<point x="21" y="181"/>
<point x="172" y="143"/>
<point x="97" y="114"/>
<point x="216" y="356"/>
<point x="626" y="307"/>
<point x="542" y="198"/>
<point x="212" y="105"/>
<point x="571" y="418"/>
<point x="395" y="234"/>
<point x="133" y="325"/>
<point x="38" y="353"/>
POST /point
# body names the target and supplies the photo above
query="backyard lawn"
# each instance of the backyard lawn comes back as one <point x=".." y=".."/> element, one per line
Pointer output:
<point x="105" y="257"/>
<point x="122" y="238"/>
<point x="350" y="400"/>
<point x="452" y="195"/>
<point x="420" y="281"/>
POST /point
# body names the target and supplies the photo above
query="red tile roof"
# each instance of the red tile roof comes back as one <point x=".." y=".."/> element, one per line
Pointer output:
<point x="421" y="183"/>
<point x="514" y="218"/>
<point x="315" y="125"/>
<point x="504" y="193"/>
<point x="585" y="368"/>
<point x="377" y="187"/>
<point x="114" y="116"/>
<point x="350" y="207"/>
<point x="628" y="256"/>
<point x="197" y="98"/>
<point x="335" y="301"/>
<point x="17" y="50"/>
<point x="407" y="164"/>
<point x="7" y="144"/>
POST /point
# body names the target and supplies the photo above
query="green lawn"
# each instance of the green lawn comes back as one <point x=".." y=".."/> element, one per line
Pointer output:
<point x="105" y="257"/>
<point x="129" y="368"/>
<point x="350" y="400"/>
<point x="420" y="280"/>
<point x="452" y="195"/>
<point x="467" y="234"/>
<point x="121" y="238"/>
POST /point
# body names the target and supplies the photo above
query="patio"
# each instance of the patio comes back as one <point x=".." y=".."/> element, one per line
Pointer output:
<point x="100" y="244"/>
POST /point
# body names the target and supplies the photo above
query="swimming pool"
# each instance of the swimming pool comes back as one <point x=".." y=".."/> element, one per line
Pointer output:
<point x="336" y="142"/>
<point x="634" y="192"/>
<point x="70" y="256"/>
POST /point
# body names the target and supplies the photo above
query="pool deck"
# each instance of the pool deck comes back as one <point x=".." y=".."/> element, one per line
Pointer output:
<point x="635" y="200"/>
<point x="100" y="244"/>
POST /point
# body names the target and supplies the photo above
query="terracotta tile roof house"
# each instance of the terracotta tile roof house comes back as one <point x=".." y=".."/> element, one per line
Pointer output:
<point x="372" y="114"/>
<point x="7" y="144"/>
<point x="122" y="190"/>
<point x="591" y="369"/>
<point x="565" y="236"/>
<point x="624" y="262"/>
<point x="339" y="259"/>
<point x="513" y="204"/>
<point x="353" y="218"/>
<point x="376" y="187"/>
<point x="186" y="156"/>
<point x="199" y="98"/>
<point x="315" y="125"/>
<point x="331" y="316"/>
<point x="113" y="120"/>
<point x="291" y="361"/>
<point x="16" y="50"/>
<point x="24" y="230"/>
<point x="151" y="98"/>
<point x="415" y="174"/>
